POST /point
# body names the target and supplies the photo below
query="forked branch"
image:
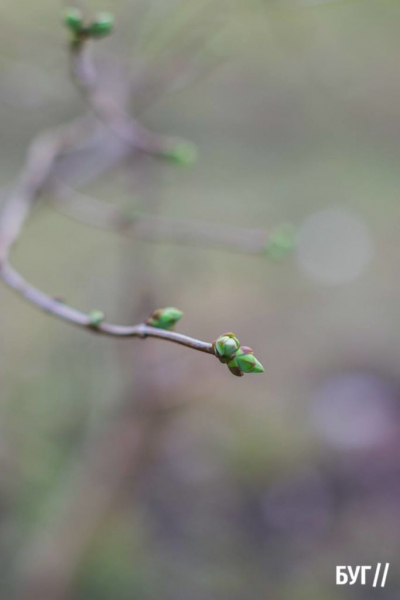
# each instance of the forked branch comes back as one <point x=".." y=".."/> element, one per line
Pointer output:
<point x="42" y="158"/>
<point x="104" y="106"/>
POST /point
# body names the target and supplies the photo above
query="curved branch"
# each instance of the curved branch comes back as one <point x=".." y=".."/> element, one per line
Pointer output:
<point x="57" y="308"/>
<point x="42" y="157"/>
<point x="37" y="173"/>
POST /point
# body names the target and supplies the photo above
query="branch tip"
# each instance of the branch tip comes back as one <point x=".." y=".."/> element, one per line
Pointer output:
<point x="101" y="26"/>
<point x="183" y="153"/>
<point x="281" y="242"/>
<point x="240" y="359"/>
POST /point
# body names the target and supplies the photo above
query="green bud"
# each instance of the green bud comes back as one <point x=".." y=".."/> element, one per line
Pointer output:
<point x="96" y="318"/>
<point x="244" y="361"/>
<point x="183" y="153"/>
<point x="226" y="345"/>
<point x="73" y="19"/>
<point x="249" y="364"/>
<point x="281" y="241"/>
<point x="102" y="26"/>
<point x="165" y="318"/>
<point x="235" y="371"/>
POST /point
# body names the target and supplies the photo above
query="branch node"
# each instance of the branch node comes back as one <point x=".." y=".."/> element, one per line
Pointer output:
<point x="96" y="318"/>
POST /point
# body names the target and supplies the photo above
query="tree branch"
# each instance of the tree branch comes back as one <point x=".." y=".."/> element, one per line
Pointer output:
<point x="75" y="317"/>
<point x="103" y="105"/>
<point x="39" y="167"/>
<point x="95" y="213"/>
<point x="41" y="158"/>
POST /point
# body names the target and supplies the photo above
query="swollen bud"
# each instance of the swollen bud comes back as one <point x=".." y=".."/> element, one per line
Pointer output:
<point x="73" y="19"/>
<point x="226" y="346"/>
<point x="243" y="362"/>
<point x="165" y="318"/>
<point x="240" y="359"/>
<point x="102" y="26"/>
<point x="96" y="318"/>
<point x="183" y="153"/>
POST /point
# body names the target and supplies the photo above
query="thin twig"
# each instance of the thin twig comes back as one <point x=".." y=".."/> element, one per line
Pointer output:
<point x="96" y="213"/>
<point x="75" y="317"/>
<point x="103" y="105"/>
<point x="41" y="158"/>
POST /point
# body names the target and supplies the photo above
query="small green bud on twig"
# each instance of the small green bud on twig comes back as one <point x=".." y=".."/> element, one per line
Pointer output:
<point x="240" y="359"/>
<point x="102" y="26"/>
<point x="73" y="19"/>
<point x="165" y="318"/>
<point x="226" y="346"/>
<point x="96" y="317"/>
<point x="281" y="241"/>
<point x="183" y="153"/>
<point x="244" y="361"/>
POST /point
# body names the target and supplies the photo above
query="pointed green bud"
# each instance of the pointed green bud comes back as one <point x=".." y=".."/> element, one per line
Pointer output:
<point x="184" y="153"/>
<point x="226" y="345"/>
<point x="281" y="241"/>
<point x="258" y="368"/>
<point x="96" y="318"/>
<point x="73" y="19"/>
<point x="165" y="318"/>
<point x="248" y="363"/>
<point x="244" y="361"/>
<point x="102" y="26"/>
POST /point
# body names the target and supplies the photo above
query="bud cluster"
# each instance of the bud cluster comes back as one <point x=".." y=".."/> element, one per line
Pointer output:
<point x="100" y="27"/>
<point x="239" y="359"/>
<point x="165" y="318"/>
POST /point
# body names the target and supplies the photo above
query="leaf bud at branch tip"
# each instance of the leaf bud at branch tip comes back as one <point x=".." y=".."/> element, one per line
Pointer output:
<point x="182" y="152"/>
<point x="244" y="361"/>
<point x="281" y="241"/>
<point x="102" y="25"/>
<point x="240" y="359"/>
<point x="165" y="318"/>
<point x="73" y="19"/>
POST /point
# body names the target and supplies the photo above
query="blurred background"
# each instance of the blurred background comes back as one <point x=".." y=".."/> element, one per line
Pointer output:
<point x="140" y="470"/>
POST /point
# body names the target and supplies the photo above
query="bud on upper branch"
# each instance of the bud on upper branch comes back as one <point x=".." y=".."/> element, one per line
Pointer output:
<point x="101" y="26"/>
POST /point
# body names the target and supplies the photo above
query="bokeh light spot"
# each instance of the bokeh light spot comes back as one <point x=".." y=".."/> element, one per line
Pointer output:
<point x="334" y="246"/>
<point x="355" y="411"/>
